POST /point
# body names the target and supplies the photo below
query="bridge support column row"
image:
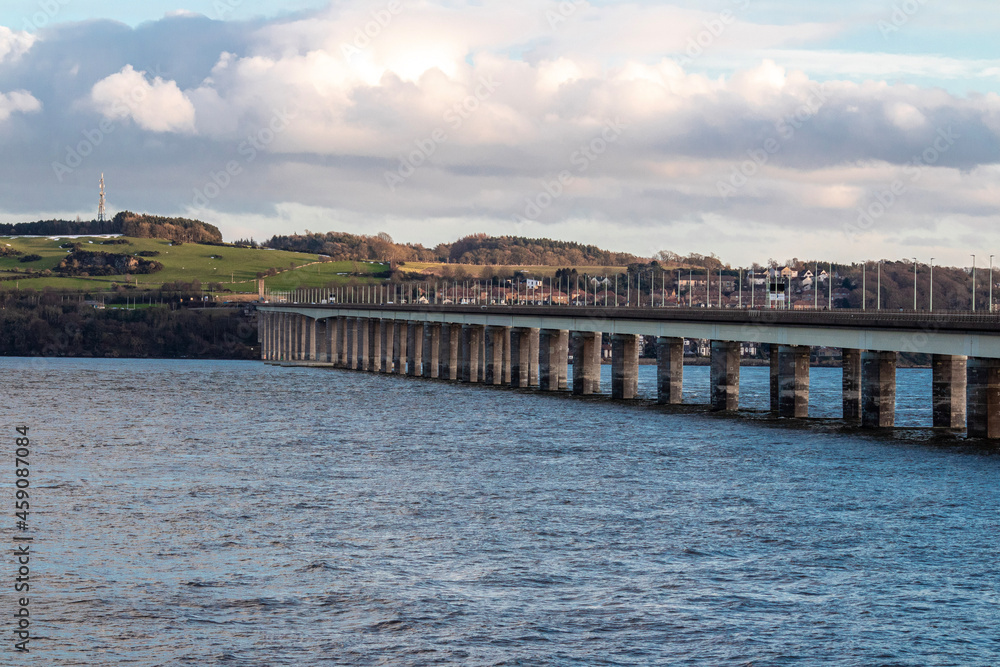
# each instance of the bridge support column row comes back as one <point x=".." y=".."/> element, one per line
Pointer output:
<point x="964" y="390"/>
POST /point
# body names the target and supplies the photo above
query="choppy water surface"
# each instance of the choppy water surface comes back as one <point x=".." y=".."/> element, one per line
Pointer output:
<point x="221" y="513"/>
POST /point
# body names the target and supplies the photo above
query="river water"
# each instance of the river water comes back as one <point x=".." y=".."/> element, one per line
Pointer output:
<point x="233" y="513"/>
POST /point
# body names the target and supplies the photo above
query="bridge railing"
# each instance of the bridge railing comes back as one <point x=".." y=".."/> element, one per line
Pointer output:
<point x="459" y="295"/>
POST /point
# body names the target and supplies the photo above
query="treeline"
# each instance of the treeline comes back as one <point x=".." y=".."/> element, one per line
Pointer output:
<point x="493" y="250"/>
<point x="126" y="223"/>
<point x="340" y="246"/>
<point x="479" y="249"/>
<point x="174" y="229"/>
<point x="49" y="324"/>
<point x="60" y="228"/>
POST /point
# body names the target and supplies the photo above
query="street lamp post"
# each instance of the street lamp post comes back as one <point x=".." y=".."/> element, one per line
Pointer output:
<point x="878" y="299"/>
<point x="991" y="283"/>
<point x="973" y="283"/>
<point x="864" y="285"/>
<point x="816" y="287"/>
<point x="932" y="286"/>
<point x="829" y="285"/>
<point x="914" y="283"/>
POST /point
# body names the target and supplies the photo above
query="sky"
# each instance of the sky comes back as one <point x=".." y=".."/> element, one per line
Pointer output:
<point x="748" y="129"/>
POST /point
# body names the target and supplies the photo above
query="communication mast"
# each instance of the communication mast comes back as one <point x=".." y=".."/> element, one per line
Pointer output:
<point x="100" y="206"/>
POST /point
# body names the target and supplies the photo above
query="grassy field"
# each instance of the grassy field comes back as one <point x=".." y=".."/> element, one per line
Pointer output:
<point x="234" y="268"/>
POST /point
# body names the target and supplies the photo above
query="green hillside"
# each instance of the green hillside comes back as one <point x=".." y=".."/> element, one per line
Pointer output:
<point x="235" y="268"/>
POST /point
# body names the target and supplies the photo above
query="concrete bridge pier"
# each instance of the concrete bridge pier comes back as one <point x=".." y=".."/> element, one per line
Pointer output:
<point x="374" y="345"/>
<point x="949" y="381"/>
<point x="469" y="353"/>
<point x="552" y="365"/>
<point x="351" y="331"/>
<point x="386" y="337"/>
<point x="304" y="338"/>
<point x="505" y="372"/>
<point x="264" y="325"/>
<point x="279" y="338"/>
<point x="274" y="333"/>
<point x="983" y="386"/>
<point x="562" y="358"/>
<point x="878" y="389"/>
<point x="482" y="354"/>
<point x="363" y="343"/>
<point x="624" y="366"/>
<point x="495" y="337"/>
<point x="775" y="386"/>
<point x="520" y="356"/>
<point x="851" y="383"/>
<point x="793" y="381"/>
<point x="431" y="351"/>
<point x="399" y="347"/>
<point x="534" y="345"/>
<point x="586" y="362"/>
<point x="414" y="349"/>
<point x="725" y="375"/>
<point x="669" y="370"/>
<point x="312" y="333"/>
<point x="330" y="333"/>
<point x="448" y="352"/>
<point x="283" y="337"/>
<point x="340" y="347"/>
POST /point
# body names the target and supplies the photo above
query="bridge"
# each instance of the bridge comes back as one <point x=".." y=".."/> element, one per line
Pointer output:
<point x="529" y="346"/>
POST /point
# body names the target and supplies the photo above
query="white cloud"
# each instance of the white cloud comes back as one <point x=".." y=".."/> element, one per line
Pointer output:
<point x="17" y="101"/>
<point x="13" y="44"/>
<point x="159" y="106"/>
